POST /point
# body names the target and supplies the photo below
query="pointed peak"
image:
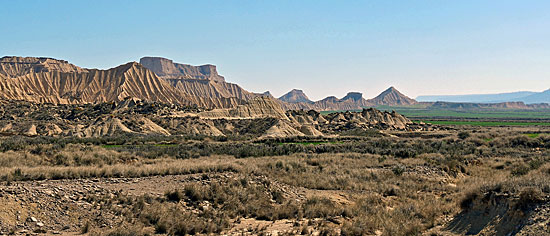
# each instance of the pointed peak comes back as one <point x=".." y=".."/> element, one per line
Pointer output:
<point x="392" y="97"/>
<point x="391" y="89"/>
<point x="129" y="66"/>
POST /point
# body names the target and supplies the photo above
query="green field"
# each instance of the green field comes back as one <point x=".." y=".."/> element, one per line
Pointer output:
<point x="532" y="135"/>
<point x="417" y="112"/>
<point x="484" y="123"/>
<point x="493" y="117"/>
<point x="414" y="112"/>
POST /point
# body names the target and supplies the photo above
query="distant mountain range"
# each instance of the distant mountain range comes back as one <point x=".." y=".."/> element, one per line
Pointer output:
<point x="526" y="97"/>
<point x="296" y="99"/>
<point x="157" y="79"/>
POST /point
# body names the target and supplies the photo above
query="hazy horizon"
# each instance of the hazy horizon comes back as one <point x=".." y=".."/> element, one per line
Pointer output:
<point x="324" y="48"/>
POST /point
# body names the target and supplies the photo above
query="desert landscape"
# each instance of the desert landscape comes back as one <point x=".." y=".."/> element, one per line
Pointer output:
<point x="162" y="148"/>
<point x="274" y="118"/>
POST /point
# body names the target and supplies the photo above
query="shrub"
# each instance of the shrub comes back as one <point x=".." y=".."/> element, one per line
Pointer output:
<point x="174" y="196"/>
<point x="398" y="170"/>
<point x="463" y="135"/>
<point x="520" y="169"/>
<point x="528" y="197"/>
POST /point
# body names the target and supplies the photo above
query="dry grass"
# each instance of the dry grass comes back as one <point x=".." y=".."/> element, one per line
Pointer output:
<point x="157" y="167"/>
<point x="389" y="186"/>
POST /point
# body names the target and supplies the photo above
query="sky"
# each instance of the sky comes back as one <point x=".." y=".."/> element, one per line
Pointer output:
<point x="326" y="48"/>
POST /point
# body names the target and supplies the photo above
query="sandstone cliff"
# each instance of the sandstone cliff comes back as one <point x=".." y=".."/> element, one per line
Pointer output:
<point x="255" y="108"/>
<point x="167" y="69"/>
<point x="16" y="66"/>
<point x="53" y="81"/>
<point x="202" y="84"/>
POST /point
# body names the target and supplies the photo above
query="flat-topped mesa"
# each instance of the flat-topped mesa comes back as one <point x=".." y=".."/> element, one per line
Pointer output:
<point x="356" y="96"/>
<point x="200" y="83"/>
<point x="167" y="69"/>
<point x="17" y="66"/>
<point x="266" y="94"/>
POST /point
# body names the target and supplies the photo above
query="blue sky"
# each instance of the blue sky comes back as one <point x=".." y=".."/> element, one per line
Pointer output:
<point x="323" y="47"/>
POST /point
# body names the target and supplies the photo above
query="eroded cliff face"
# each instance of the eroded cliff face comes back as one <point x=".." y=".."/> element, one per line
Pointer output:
<point x="47" y="80"/>
<point x="167" y="69"/>
<point x="211" y="89"/>
<point x="53" y="81"/>
<point x="153" y="79"/>
<point x="203" y="83"/>
<point x="254" y="108"/>
<point x="17" y="66"/>
<point x="260" y="117"/>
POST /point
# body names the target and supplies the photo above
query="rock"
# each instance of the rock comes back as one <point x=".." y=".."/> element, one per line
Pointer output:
<point x="260" y="107"/>
<point x="310" y="130"/>
<point x="295" y="96"/>
<point x="29" y="76"/>
<point x="282" y="129"/>
<point x="392" y="97"/>
<point x="31" y="131"/>
<point x="167" y="69"/>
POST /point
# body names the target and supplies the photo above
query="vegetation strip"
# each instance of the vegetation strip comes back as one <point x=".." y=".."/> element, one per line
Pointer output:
<point x="484" y="123"/>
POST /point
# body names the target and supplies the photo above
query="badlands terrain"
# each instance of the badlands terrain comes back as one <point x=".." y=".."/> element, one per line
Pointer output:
<point x="163" y="148"/>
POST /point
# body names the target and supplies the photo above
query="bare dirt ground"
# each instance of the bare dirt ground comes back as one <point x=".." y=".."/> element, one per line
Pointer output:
<point x="62" y="207"/>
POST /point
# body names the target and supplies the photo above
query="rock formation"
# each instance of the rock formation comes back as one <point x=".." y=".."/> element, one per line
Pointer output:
<point x="256" y="108"/>
<point x="341" y="121"/>
<point x="47" y="80"/>
<point x="260" y="117"/>
<point x="167" y="69"/>
<point x="266" y="94"/>
<point x="352" y="101"/>
<point x="53" y="81"/>
<point x="17" y="66"/>
<point x="295" y="96"/>
<point x="392" y="97"/>
<point x="202" y="84"/>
